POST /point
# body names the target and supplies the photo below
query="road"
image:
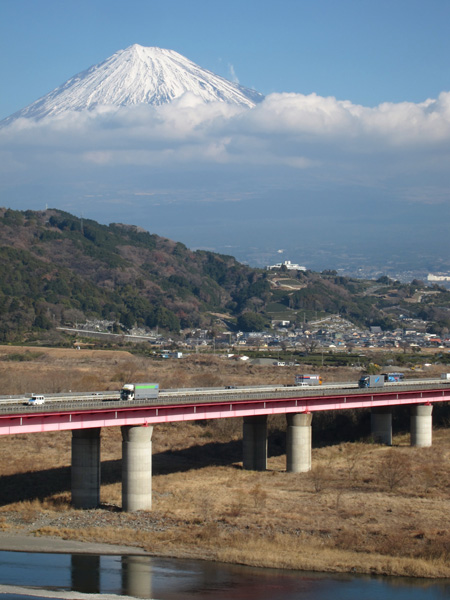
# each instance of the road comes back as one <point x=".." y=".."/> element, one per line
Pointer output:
<point x="101" y="399"/>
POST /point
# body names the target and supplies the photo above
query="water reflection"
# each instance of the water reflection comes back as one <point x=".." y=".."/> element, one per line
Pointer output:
<point x="85" y="573"/>
<point x="137" y="576"/>
<point x="165" y="579"/>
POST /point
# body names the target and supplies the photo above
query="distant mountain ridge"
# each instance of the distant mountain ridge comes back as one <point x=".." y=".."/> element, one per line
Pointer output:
<point x="137" y="75"/>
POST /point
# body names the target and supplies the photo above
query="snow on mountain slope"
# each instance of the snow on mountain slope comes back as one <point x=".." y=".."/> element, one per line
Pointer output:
<point x="138" y="75"/>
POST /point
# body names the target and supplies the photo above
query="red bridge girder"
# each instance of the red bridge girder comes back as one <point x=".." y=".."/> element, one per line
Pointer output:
<point x="52" y="420"/>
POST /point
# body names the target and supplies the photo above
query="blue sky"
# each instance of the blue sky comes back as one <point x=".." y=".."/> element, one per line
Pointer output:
<point x="359" y="50"/>
<point x="348" y="155"/>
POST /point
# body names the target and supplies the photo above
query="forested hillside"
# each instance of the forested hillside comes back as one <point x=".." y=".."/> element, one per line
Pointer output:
<point x="58" y="269"/>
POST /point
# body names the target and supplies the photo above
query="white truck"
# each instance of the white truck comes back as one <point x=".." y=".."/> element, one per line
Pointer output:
<point x="137" y="391"/>
<point x="304" y="380"/>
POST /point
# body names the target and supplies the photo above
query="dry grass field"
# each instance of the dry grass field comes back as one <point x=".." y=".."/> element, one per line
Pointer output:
<point x="363" y="508"/>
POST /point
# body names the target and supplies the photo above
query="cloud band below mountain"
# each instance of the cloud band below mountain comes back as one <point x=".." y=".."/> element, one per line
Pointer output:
<point x="292" y="143"/>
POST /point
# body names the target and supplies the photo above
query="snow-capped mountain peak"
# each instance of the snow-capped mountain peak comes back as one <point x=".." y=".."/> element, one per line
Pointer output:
<point x="138" y="75"/>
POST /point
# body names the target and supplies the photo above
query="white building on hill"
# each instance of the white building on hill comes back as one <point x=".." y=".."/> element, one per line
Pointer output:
<point x="435" y="278"/>
<point x="289" y="266"/>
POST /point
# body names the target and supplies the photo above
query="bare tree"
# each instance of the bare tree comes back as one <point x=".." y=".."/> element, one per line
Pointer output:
<point x="405" y="346"/>
<point x="309" y="344"/>
<point x="394" y="469"/>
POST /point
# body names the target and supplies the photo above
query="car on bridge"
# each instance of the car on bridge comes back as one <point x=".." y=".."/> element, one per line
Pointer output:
<point x="35" y="400"/>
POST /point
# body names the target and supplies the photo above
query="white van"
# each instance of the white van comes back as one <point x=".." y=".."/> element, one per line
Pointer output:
<point x="35" y="399"/>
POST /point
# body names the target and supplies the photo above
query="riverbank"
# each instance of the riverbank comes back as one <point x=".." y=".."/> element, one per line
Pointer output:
<point x="364" y="508"/>
<point x="311" y="560"/>
<point x="29" y="542"/>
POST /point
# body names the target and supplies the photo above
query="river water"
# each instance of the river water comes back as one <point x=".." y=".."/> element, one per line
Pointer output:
<point x="27" y="576"/>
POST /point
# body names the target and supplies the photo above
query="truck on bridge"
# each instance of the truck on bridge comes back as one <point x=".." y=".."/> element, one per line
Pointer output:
<point x="304" y="380"/>
<point x="137" y="391"/>
<point x="371" y="381"/>
<point x="393" y="376"/>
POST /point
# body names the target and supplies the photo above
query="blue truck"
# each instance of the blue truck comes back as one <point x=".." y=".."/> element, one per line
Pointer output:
<point x="371" y="381"/>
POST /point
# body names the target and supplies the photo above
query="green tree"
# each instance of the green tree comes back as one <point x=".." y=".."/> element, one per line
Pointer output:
<point x="251" y="321"/>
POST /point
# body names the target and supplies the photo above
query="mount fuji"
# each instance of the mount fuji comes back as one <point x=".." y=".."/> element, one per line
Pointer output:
<point x="137" y="75"/>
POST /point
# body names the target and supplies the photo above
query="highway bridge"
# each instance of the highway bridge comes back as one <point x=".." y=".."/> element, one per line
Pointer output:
<point x="86" y="413"/>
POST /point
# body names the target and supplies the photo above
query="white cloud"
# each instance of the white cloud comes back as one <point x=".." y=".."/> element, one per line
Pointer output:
<point x="334" y="140"/>
<point x="233" y="76"/>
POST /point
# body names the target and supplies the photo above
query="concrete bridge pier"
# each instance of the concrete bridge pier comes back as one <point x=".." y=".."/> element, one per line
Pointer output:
<point x="421" y="425"/>
<point x="381" y="424"/>
<point x="85" y="472"/>
<point x="255" y="443"/>
<point x="298" y="442"/>
<point x="136" y="468"/>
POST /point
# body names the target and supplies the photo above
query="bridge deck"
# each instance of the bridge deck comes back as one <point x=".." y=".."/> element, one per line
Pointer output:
<point x="191" y="405"/>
